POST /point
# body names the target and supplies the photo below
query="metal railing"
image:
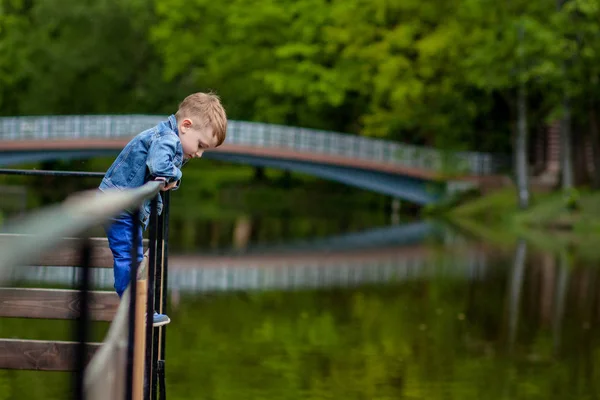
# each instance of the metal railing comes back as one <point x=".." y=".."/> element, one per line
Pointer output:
<point x="261" y="135"/>
<point x="28" y="238"/>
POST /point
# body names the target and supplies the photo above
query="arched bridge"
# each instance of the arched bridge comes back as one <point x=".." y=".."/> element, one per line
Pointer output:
<point x="404" y="171"/>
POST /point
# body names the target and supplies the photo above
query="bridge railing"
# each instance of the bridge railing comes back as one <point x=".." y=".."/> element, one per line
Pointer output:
<point x="126" y="365"/>
<point x="261" y="135"/>
<point x="361" y="147"/>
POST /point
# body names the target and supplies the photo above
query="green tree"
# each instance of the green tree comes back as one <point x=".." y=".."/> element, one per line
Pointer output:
<point x="513" y="54"/>
<point x="579" y="21"/>
<point x="441" y="73"/>
<point x="16" y="61"/>
<point x="78" y="57"/>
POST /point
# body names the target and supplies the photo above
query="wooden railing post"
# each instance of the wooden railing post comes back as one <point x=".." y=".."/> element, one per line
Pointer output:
<point x="140" y="339"/>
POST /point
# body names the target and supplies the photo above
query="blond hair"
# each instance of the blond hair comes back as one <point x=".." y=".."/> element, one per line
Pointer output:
<point x="208" y="108"/>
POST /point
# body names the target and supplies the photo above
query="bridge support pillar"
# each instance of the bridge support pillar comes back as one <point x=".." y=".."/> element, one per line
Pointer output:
<point x="395" y="215"/>
<point x="259" y="174"/>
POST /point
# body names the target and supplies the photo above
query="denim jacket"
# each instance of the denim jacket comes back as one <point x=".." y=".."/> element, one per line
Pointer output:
<point x="156" y="152"/>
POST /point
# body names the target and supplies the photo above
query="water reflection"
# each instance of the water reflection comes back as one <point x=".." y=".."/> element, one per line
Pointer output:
<point x="379" y="255"/>
<point x="435" y="336"/>
<point x="516" y="286"/>
<point x="465" y="322"/>
<point x="376" y="237"/>
<point x="318" y="308"/>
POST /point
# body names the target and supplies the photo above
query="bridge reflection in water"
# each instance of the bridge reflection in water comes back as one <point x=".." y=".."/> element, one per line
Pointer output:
<point x="390" y="254"/>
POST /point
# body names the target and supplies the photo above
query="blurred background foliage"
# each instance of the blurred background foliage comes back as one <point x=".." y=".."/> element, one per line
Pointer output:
<point x="441" y="73"/>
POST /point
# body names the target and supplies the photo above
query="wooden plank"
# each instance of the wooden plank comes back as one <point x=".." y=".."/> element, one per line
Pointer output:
<point x="101" y="256"/>
<point x="68" y="254"/>
<point x="41" y="355"/>
<point x="55" y="304"/>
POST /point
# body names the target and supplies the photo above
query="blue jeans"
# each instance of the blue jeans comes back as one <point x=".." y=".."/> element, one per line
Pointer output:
<point x="120" y="240"/>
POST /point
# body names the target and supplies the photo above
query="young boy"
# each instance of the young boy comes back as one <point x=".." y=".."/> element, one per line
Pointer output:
<point x="158" y="154"/>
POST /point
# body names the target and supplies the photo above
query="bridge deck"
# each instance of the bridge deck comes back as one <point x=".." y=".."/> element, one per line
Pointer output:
<point x="271" y="152"/>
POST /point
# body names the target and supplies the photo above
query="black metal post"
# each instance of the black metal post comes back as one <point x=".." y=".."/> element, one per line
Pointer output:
<point x="162" y="379"/>
<point x="82" y="321"/>
<point x="161" y="368"/>
<point x="132" y="306"/>
<point x="157" y="297"/>
<point x="149" y="359"/>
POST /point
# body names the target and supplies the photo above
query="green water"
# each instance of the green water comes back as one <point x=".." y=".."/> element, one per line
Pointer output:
<point x="435" y="338"/>
<point x="523" y="325"/>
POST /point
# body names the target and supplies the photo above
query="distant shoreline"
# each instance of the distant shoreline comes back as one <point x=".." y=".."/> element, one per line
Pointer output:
<point x="548" y="224"/>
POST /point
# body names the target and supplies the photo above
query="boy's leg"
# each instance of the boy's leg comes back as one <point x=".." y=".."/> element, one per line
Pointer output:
<point x="120" y="239"/>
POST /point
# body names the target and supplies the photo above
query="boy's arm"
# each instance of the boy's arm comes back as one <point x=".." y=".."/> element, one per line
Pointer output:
<point x="160" y="159"/>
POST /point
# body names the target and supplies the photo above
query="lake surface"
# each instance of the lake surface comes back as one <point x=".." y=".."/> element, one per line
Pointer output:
<point x="335" y="302"/>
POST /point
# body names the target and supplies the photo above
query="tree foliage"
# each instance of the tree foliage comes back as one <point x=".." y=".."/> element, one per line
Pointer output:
<point x="441" y="73"/>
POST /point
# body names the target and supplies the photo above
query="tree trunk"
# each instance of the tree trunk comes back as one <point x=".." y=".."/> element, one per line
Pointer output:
<point x="566" y="160"/>
<point x="259" y="174"/>
<point x="566" y="146"/>
<point x="580" y="163"/>
<point x="522" y="177"/>
<point x="595" y="139"/>
<point x="241" y="232"/>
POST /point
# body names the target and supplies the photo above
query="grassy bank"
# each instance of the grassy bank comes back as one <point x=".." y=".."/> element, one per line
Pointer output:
<point x="548" y="223"/>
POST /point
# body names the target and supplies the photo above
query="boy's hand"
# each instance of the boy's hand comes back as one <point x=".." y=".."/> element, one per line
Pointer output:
<point x="169" y="186"/>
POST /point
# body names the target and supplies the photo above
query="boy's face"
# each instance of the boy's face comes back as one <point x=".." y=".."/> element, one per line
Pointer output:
<point x="195" y="139"/>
